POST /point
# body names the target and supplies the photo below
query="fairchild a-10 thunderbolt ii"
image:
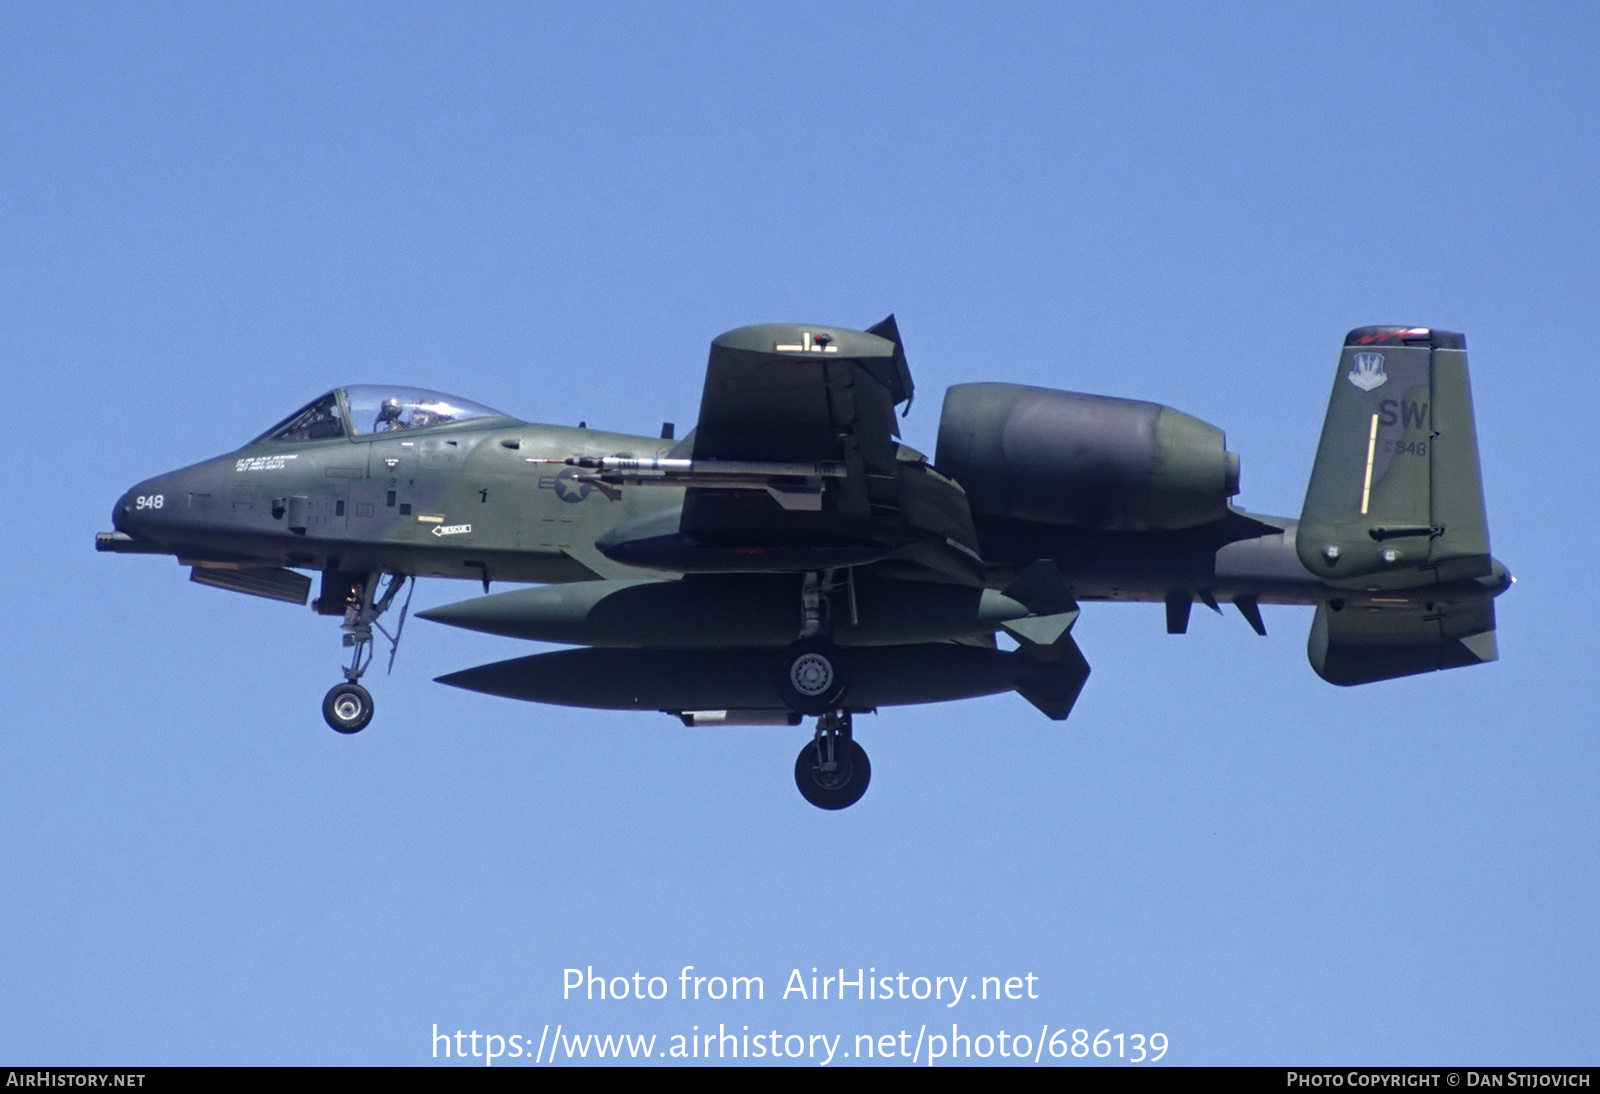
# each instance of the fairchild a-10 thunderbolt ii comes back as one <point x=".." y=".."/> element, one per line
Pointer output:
<point x="789" y="557"/>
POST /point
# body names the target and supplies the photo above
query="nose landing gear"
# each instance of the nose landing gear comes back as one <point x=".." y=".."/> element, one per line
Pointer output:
<point x="832" y="771"/>
<point x="348" y="706"/>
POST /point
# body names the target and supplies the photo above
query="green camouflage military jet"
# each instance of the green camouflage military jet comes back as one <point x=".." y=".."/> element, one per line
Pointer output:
<point x="789" y="557"/>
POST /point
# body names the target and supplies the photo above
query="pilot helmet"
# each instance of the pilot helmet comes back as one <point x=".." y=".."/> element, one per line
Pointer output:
<point x="390" y="411"/>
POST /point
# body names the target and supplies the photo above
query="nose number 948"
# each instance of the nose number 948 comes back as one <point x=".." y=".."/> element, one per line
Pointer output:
<point x="149" y="501"/>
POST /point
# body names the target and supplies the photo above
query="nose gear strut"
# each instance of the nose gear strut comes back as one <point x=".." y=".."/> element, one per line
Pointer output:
<point x="348" y="706"/>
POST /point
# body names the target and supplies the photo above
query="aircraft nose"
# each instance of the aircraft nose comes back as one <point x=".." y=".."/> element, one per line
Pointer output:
<point x="167" y="502"/>
<point x="119" y="512"/>
<point x="135" y="508"/>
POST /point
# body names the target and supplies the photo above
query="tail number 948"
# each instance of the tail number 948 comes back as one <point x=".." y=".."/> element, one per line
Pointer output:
<point x="149" y="501"/>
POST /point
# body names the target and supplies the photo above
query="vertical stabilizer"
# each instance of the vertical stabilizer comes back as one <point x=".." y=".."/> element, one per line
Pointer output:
<point x="1395" y="506"/>
<point x="1396" y="494"/>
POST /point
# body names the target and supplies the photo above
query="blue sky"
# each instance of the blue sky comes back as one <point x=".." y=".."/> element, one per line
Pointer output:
<point x="209" y="214"/>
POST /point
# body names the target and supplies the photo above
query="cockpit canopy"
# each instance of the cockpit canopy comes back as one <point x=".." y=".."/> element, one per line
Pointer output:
<point x="362" y="410"/>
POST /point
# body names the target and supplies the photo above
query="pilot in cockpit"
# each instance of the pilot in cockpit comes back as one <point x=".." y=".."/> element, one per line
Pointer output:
<point x="389" y="417"/>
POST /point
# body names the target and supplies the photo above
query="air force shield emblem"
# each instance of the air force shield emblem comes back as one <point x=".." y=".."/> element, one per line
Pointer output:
<point x="1368" y="372"/>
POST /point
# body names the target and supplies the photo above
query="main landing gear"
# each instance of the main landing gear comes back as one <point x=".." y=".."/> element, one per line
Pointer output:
<point x="812" y="675"/>
<point x="832" y="771"/>
<point x="348" y="706"/>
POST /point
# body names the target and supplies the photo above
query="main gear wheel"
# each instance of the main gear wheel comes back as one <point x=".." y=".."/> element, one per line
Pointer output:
<point x="812" y="676"/>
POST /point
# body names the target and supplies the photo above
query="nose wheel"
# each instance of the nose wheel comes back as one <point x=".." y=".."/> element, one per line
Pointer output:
<point x="347" y="708"/>
<point x="832" y="771"/>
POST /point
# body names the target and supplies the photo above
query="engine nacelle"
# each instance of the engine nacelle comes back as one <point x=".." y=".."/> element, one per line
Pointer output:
<point x="1086" y="461"/>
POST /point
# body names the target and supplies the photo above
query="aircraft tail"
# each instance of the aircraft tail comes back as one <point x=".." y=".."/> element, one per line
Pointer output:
<point x="1395" y="505"/>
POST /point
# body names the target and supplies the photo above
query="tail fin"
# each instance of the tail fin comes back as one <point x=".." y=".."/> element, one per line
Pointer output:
<point x="1396" y="495"/>
<point x="1396" y="503"/>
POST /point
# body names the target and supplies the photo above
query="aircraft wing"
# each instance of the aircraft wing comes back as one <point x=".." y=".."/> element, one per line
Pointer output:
<point x="798" y="394"/>
<point x="799" y="381"/>
<point x="796" y="464"/>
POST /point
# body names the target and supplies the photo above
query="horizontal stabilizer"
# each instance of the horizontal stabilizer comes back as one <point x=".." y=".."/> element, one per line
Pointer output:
<point x="1361" y="647"/>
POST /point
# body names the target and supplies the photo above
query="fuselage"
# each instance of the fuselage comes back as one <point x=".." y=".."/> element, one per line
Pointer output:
<point x="452" y="501"/>
<point x="471" y="500"/>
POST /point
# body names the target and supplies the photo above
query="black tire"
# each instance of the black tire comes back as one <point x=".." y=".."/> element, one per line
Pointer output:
<point x="347" y="708"/>
<point x="812" y="676"/>
<point x="836" y="789"/>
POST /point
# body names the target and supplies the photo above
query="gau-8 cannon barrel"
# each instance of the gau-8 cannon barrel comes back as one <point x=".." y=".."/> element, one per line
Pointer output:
<point x="792" y="485"/>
